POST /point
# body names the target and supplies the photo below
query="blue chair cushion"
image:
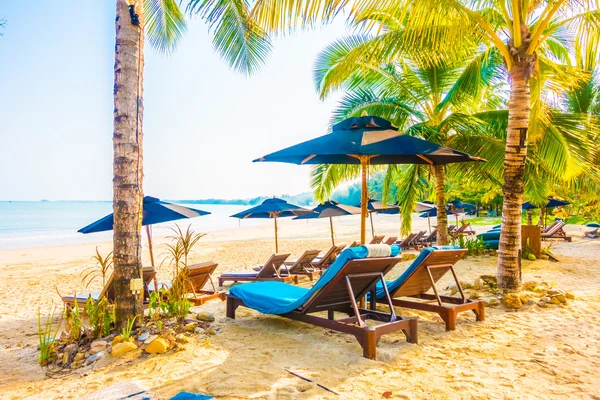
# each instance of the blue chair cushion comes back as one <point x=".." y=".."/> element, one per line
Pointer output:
<point x="282" y="298"/>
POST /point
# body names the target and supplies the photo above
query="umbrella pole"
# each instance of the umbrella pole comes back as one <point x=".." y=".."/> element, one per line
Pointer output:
<point x="331" y="226"/>
<point x="276" y="242"/>
<point x="372" y="229"/>
<point x="429" y="223"/>
<point x="149" y="233"/>
<point x="364" y="199"/>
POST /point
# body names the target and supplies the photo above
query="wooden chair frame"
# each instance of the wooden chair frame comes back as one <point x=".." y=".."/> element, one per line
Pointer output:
<point x="269" y="272"/>
<point x="436" y="266"/>
<point x="377" y="239"/>
<point x="303" y="265"/>
<point x="198" y="276"/>
<point x="390" y="240"/>
<point x="329" y="257"/>
<point x="342" y="294"/>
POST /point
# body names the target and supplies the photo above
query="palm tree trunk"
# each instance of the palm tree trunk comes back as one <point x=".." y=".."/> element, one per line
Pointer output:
<point x="127" y="165"/>
<point x="440" y="195"/>
<point x="509" y="260"/>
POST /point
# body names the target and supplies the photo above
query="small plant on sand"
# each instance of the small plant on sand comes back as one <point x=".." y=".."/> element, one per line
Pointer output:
<point x="47" y="336"/>
<point x="100" y="314"/>
<point x="73" y="321"/>
<point x="102" y="269"/>
<point x="178" y="253"/>
<point x="474" y="246"/>
<point x="159" y="325"/>
<point x="126" y="330"/>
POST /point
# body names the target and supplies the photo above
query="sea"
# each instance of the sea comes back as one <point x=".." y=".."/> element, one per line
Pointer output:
<point x="25" y="224"/>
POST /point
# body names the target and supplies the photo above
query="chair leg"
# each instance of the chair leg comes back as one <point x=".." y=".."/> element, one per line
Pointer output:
<point x="232" y="305"/>
<point x="450" y="318"/>
<point x="331" y="315"/>
<point x="221" y="282"/>
<point x="412" y="335"/>
<point x="480" y="311"/>
<point x="369" y="344"/>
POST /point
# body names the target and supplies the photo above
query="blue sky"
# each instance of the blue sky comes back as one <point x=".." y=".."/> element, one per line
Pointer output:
<point x="203" y="123"/>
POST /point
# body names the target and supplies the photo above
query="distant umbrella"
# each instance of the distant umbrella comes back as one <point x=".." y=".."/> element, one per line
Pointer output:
<point x="154" y="211"/>
<point x="367" y="140"/>
<point x="460" y="205"/>
<point x="379" y="207"/>
<point x="552" y="202"/>
<point x="331" y="209"/>
<point x="273" y="208"/>
<point x="432" y="212"/>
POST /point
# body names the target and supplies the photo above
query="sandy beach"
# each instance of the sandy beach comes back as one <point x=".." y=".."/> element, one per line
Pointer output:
<point x="530" y="354"/>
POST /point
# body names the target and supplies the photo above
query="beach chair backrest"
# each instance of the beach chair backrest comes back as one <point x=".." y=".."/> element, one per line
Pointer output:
<point x="330" y="256"/>
<point x="391" y="240"/>
<point x="377" y="239"/>
<point x="354" y="244"/>
<point x="557" y="227"/>
<point x="451" y="228"/>
<point x="551" y="226"/>
<point x="431" y="237"/>
<point x="272" y="265"/>
<point x="198" y="275"/>
<point x="148" y="275"/>
<point x="460" y="229"/>
<point x="438" y="263"/>
<point x="417" y="237"/>
<point x="407" y="239"/>
<point x="363" y="275"/>
<point x="304" y="263"/>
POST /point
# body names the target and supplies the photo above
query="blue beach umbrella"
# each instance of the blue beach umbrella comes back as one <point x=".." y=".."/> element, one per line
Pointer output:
<point x="273" y="208"/>
<point x="379" y="207"/>
<point x="363" y="141"/>
<point x="552" y="203"/>
<point x="459" y="204"/>
<point x="432" y="212"/>
<point x="331" y="209"/>
<point x="154" y="211"/>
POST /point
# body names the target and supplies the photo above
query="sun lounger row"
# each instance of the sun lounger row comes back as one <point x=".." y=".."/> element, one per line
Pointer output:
<point x="358" y="273"/>
<point x="197" y="276"/>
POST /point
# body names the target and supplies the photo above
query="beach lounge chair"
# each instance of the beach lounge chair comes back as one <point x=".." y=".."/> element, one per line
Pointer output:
<point x="428" y="240"/>
<point x="416" y="241"/>
<point x="552" y="225"/>
<point x="405" y="243"/>
<point x="197" y="276"/>
<point x="328" y="258"/>
<point x="354" y="244"/>
<point x="462" y="231"/>
<point x="377" y="239"/>
<point x="390" y="240"/>
<point x="268" y="272"/>
<point x="411" y="289"/>
<point x="556" y="232"/>
<point x="593" y="234"/>
<point x="148" y="277"/>
<point x="303" y="265"/>
<point x="340" y="288"/>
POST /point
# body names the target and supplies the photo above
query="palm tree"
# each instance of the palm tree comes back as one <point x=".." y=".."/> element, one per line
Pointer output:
<point x="529" y="35"/>
<point x="430" y="100"/>
<point x="237" y="37"/>
<point x="164" y="24"/>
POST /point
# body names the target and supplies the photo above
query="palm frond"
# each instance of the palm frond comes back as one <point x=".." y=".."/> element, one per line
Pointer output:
<point x="165" y="24"/>
<point x="238" y="38"/>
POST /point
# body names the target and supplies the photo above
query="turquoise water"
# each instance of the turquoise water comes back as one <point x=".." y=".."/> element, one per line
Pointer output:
<point x="29" y="224"/>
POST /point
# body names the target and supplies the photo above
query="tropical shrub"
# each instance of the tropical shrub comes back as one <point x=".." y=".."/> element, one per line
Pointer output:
<point x="47" y="336"/>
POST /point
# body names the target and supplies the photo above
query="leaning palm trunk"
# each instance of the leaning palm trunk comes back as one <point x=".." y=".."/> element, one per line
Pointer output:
<point x="442" y="217"/>
<point x="127" y="166"/>
<point x="509" y="260"/>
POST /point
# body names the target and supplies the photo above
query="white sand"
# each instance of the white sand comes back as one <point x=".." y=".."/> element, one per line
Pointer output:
<point x="537" y="353"/>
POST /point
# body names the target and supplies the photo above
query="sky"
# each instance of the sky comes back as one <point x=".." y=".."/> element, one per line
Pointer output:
<point x="203" y="122"/>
